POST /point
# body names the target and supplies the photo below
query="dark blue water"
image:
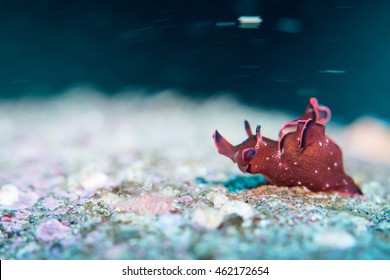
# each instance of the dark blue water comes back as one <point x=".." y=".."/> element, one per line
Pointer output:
<point x="337" y="50"/>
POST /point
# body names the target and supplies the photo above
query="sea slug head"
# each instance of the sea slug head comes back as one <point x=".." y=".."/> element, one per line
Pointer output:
<point x="244" y="153"/>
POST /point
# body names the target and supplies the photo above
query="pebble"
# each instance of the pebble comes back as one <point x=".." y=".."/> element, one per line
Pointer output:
<point x="93" y="180"/>
<point x="9" y="195"/>
<point x="219" y="199"/>
<point x="335" y="239"/>
<point x="52" y="230"/>
<point x="147" y="204"/>
<point x="185" y="199"/>
<point x="207" y="217"/>
<point x="51" y="203"/>
<point x="27" y="200"/>
<point x="237" y="207"/>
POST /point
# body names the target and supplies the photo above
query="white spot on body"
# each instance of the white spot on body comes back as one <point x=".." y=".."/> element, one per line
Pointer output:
<point x="327" y="140"/>
<point x="267" y="158"/>
<point x="295" y="163"/>
<point x="286" y="168"/>
<point x="316" y="171"/>
<point x="328" y="168"/>
<point x="299" y="183"/>
<point x="320" y="143"/>
<point x="327" y="185"/>
<point x="335" y="164"/>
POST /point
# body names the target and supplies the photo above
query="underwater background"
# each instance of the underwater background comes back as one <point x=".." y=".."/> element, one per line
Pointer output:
<point x="337" y="50"/>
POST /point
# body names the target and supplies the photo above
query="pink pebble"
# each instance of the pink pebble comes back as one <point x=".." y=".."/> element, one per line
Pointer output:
<point x="51" y="203"/>
<point x="185" y="199"/>
<point x="52" y="230"/>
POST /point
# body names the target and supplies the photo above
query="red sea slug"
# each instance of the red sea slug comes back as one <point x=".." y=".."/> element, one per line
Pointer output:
<point x="303" y="155"/>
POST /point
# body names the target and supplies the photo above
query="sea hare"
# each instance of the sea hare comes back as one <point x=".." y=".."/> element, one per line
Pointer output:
<point x="303" y="155"/>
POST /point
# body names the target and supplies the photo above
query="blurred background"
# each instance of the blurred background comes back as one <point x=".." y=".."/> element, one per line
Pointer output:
<point x="337" y="50"/>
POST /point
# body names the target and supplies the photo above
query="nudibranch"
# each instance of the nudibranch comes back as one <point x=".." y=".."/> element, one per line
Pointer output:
<point x="303" y="155"/>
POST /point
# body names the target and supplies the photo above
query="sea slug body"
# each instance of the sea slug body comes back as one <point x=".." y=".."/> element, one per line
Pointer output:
<point x="303" y="155"/>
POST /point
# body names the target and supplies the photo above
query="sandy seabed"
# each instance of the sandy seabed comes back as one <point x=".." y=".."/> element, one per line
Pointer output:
<point x="84" y="176"/>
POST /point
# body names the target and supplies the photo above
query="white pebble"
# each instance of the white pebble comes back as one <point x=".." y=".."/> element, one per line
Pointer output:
<point x="238" y="207"/>
<point x="335" y="239"/>
<point x="219" y="199"/>
<point x="207" y="217"/>
<point x="93" y="180"/>
<point x="9" y="194"/>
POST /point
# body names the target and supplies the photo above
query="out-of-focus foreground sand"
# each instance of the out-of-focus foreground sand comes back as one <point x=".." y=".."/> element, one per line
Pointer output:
<point x="136" y="177"/>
